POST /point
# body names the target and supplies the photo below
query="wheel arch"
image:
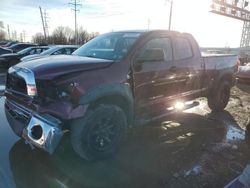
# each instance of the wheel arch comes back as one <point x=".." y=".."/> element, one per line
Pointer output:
<point x="226" y="77"/>
<point x="116" y="94"/>
<point x="223" y="76"/>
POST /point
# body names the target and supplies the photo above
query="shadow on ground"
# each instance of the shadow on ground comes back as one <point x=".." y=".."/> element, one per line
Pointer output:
<point x="184" y="150"/>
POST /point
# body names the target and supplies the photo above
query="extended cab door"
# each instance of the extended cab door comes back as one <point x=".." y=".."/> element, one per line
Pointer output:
<point x="187" y="66"/>
<point x="152" y="79"/>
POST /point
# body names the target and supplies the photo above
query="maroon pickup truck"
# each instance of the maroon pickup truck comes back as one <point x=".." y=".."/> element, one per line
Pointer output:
<point x="115" y="81"/>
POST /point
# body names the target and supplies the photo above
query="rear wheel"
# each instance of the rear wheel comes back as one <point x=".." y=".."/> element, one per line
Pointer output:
<point x="219" y="97"/>
<point x="99" y="133"/>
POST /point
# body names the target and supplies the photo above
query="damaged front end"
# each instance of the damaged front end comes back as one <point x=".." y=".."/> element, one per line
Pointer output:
<point x="36" y="109"/>
<point x="43" y="134"/>
<point x="41" y="131"/>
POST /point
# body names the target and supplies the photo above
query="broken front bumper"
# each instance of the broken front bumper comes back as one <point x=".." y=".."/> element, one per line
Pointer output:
<point x="42" y="131"/>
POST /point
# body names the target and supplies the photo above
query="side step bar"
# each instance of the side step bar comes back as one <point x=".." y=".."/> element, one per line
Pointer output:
<point x="169" y="111"/>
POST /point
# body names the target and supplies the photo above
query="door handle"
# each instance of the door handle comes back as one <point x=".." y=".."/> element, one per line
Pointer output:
<point x="173" y="69"/>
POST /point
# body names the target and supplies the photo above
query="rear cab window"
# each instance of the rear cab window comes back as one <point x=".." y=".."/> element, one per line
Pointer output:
<point x="182" y="48"/>
<point x="163" y="43"/>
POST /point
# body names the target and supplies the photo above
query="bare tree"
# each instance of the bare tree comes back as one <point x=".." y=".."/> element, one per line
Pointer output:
<point x="2" y="35"/>
<point x="84" y="36"/>
<point x="39" y="38"/>
<point x="62" y="35"/>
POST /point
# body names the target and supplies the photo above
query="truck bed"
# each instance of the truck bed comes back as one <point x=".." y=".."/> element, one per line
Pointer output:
<point x="219" y="61"/>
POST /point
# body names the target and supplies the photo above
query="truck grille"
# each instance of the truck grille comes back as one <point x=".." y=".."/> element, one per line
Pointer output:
<point x="18" y="113"/>
<point x="16" y="83"/>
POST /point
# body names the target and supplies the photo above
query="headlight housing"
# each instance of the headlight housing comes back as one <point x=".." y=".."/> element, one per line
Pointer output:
<point x="31" y="90"/>
<point x="71" y="91"/>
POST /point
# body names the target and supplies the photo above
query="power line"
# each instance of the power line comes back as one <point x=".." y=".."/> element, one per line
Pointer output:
<point x="76" y="4"/>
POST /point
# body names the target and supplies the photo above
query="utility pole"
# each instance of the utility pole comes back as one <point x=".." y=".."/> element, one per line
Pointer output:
<point x="46" y="17"/>
<point x="44" y="31"/>
<point x="8" y="28"/>
<point x="76" y="5"/>
<point x="148" y="24"/>
<point x="170" y="15"/>
<point x="24" y="35"/>
<point x="21" y="37"/>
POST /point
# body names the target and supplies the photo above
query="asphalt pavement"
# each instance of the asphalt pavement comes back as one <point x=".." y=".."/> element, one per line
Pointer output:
<point x="7" y="139"/>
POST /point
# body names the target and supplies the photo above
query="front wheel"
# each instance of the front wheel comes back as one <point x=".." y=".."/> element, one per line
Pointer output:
<point x="99" y="133"/>
<point x="219" y="97"/>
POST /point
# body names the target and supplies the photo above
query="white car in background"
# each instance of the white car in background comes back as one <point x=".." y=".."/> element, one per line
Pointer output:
<point x="54" y="50"/>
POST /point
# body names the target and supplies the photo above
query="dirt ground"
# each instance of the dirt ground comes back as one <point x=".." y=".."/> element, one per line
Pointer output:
<point x="195" y="148"/>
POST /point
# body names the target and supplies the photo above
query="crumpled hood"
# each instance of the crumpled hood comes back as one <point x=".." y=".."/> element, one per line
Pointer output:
<point x="53" y="66"/>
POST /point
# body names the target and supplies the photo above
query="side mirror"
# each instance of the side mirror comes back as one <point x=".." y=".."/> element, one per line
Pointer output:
<point x="151" y="55"/>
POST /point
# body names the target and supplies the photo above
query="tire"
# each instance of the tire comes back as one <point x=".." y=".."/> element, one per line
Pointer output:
<point x="99" y="133"/>
<point x="219" y="97"/>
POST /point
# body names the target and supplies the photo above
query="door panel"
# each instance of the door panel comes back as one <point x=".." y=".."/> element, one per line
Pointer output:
<point x="152" y="79"/>
<point x="188" y="67"/>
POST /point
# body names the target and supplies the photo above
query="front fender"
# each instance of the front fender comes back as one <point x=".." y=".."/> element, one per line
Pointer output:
<point x="108" y="90"/>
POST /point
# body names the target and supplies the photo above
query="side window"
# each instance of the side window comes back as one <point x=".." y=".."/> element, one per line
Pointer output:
<point x="58" y="52"/>
<point x="38" y="50"/>
<point x="32" y="52"/>
<point x="67" y="51"/>
<point x="157" y="49"/>
<point x="182" y="48"/>
<point x="72" y="50"/>
<point x="43" y="49"/>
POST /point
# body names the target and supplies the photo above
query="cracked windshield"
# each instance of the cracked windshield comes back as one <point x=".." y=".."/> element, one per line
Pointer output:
<point x="124" y="94"/>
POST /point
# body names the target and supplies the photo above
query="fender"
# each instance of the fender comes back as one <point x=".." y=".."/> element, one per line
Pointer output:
<point x="122" y="90"/>
<point x="221" y="75"/>
<point x="228" y="74"/>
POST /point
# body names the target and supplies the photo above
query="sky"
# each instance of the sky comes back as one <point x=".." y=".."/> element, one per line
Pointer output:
<point x="192" y="16"/>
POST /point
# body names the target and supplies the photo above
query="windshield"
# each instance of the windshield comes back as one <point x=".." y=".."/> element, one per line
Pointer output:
<point x="24" y="51"/>
<point x="112" y="46"/>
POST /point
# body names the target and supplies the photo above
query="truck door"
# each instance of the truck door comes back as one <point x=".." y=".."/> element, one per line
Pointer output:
<point x="152" y="79"/>
<point x="187" y="67"/>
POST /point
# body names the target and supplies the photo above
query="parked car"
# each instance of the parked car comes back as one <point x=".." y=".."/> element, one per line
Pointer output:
<point x="112" y="82"/>
<point x="8" y="44"/>
<point x="54" y="50"/>
<point x="3" y="43"/>
<point x="243" y="76"/>
<point x="20" y="46"/>
<point x="5" y="51"/>
<point x="7" y="60"/>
